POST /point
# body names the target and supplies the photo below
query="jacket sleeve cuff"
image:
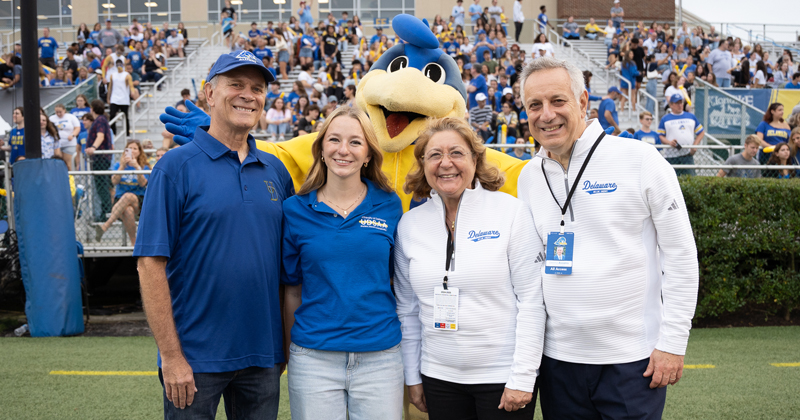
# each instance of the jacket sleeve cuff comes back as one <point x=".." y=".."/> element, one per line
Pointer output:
<point x="672" y="345"/>
<point x="521" y="383"/>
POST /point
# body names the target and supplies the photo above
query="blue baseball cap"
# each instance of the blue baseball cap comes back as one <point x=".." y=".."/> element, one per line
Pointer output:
<point x="228" y="62"/>
<point x="676" y="98"/>
<point x="614" y="89"/>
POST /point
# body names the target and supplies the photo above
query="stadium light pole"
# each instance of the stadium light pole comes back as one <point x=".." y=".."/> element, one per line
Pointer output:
<point x="30" y="80"/>
<point x="680" y="12"/>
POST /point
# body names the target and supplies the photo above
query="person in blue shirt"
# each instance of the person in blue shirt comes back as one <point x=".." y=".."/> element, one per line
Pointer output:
<point x="305" y="14"/>
<point x="607" y="111"/>
<point x="227" y="23"/>
<point x="339" y="301"/>
<point x="16" y="138"/>
<point x="262" y="50"/>
<point x="136" y="58"/>
<point x="645" y="134"/>
<point x="209" y="249"/>
<point x="795" y="83"/>
<point x="86" y="123"/>
<point x="543" y="20"/>
<point x="627" y="84"/>
<point x="475" y="11"/>
<point x="94" y="62"/>
<point x="129" y="191"/>
<point x="520" y="153"/>
<point x="274" y="93"/>
<point x="476" y="85"/>
<point x="587" y="79"/>
<point x="254" y="33"/>
<point x="772" y="130"/>
<point x="307" y="48"/>
<point x="81" y="108"/>
<point x="451" y="48"/>
<point x="377" y="37"/>
<point x="49" y="45"/>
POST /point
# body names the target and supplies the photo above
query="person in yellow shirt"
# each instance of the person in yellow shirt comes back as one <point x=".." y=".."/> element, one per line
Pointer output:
<point x="592" y="29"/>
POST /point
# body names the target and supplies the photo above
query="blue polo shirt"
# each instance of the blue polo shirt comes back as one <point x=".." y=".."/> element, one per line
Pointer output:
<point x="345" y="266"/>
<point x="218" y="222"/>
<point x="480" y="84"/>
<point x="261" y="53"/>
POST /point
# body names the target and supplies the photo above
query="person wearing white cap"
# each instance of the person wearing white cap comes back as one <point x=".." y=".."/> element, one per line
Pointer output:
<point x="480" y="117"/>
<point x="680" y="128"/>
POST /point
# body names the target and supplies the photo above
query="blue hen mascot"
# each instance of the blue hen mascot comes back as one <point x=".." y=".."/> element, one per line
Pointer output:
<point x="411" y="82"/>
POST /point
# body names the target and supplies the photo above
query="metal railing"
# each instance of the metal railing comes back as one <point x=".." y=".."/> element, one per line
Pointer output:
<point x="155" y="93"/>
<point x="88" y="88"/>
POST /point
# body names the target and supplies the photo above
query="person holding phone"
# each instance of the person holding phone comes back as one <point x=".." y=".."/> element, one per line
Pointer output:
<point x="129" y="191"/>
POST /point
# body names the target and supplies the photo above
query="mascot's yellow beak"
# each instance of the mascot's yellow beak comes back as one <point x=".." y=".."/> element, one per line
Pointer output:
<point x="392" y="101"/>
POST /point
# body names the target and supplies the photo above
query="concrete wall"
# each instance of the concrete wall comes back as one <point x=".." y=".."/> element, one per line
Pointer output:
<point x="600" y="10"/>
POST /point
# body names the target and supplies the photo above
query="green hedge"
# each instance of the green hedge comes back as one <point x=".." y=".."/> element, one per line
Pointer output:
<point x="748" y="243"/>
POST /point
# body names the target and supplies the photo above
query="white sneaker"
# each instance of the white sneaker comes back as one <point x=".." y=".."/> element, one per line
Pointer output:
<point x="272" y="138"/>
<point x="281" y="138"/>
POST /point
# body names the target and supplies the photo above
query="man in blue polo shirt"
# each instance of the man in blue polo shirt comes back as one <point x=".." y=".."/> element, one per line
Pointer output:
<point x="48" y="44"/>
<point x="209" y="246"/>
<point x="476" y="85"/>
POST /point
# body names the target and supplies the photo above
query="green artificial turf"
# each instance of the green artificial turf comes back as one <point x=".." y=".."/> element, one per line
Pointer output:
<point x="743" y="385"/>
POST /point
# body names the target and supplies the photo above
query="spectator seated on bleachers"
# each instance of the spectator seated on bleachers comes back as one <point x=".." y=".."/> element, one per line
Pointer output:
<point x="592" y="30"/>
<point x="570" y="29"/>
<point x="129" y="191"/>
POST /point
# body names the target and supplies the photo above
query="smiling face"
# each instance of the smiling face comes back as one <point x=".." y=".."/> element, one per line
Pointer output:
<point x="345" y="148"/>
<point x="237" y="99"/>
<point x="449" y="164"/>
<point x="555" y="116"/>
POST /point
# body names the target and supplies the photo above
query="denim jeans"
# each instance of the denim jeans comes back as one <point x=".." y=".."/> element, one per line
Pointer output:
<point x="330" y="384"/>
<point x="251" y="393"/>
<point x="278" y="129"/>
<point x="724" y="83"/>
<point x="101" y="203"/>
<point x="652" y="89"/>
<point x="607" y="42"/>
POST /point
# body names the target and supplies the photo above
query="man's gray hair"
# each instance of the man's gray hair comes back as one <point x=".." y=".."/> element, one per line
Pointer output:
<point x="547" y="63"/>
<point x="213" y="82"/>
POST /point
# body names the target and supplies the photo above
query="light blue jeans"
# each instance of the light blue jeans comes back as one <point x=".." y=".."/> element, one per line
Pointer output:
<point x="330" y="384"/>
<point x="278" y="129"/>
<point x="652" y="89"/>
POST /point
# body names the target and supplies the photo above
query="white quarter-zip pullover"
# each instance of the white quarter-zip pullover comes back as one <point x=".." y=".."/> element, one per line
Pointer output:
<point x="500" y="315"/>
<point x="634" y="279"/>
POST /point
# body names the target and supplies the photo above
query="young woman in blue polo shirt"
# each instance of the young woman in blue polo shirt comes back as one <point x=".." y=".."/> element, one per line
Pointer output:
<point x="338" y="239"/>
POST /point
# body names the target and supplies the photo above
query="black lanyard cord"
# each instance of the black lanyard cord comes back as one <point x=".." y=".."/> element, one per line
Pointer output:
<point x="449" y="257"/>
<point x="574" y="184"/>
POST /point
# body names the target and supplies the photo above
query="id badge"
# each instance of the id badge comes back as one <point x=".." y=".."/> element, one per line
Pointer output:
<point x="445" y="308"/>
<point x="559" y="253"/>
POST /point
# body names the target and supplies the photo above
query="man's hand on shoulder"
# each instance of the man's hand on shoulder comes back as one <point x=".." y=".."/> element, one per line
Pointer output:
<point x="178" y="380"/>
<point x="665" y="369"/>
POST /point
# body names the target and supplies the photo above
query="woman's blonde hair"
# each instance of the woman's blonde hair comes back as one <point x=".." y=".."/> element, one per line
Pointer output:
<point x="318" y="174"/>
<point x="489" y="175"/>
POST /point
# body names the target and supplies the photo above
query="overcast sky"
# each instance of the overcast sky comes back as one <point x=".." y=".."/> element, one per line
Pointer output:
<point x="758" y="11"/>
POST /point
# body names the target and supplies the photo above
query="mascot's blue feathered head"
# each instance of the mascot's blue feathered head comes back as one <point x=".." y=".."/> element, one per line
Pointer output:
<point x="409" y="83"/>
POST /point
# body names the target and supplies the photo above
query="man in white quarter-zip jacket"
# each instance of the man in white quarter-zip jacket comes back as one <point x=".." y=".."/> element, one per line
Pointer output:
<point x="620" y="302"/>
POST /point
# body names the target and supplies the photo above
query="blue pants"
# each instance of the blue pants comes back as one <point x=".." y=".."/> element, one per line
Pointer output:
<point x="682" y="160"/>
<point x="251" y="393"/>
<point x="579" y="391"/>
<point x="724" y="83"/>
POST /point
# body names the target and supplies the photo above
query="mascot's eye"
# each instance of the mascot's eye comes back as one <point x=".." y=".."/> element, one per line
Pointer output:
<point x="434" y="72"/>
<point x="398" y="64"/>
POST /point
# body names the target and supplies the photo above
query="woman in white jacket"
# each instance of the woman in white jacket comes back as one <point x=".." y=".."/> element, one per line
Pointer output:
<point x="472" y="341"/>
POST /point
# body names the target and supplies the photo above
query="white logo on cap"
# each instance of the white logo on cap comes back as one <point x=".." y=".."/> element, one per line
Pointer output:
<point x="247" y="56"/>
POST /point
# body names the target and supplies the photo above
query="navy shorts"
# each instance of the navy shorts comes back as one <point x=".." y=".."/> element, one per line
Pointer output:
<point x="579" y="391"/>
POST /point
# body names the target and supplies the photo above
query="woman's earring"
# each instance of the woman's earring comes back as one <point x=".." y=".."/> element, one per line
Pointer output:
<point x="365" y="164"/>
<point x="322" y="158"/>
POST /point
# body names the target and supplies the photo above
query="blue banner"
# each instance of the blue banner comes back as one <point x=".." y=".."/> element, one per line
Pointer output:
<point x="725" y="114"/>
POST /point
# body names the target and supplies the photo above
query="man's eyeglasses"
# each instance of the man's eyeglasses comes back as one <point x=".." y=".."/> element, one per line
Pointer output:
<point x="455" y="156"/>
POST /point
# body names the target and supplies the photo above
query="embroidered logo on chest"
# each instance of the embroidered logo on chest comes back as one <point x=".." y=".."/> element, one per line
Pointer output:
<point x="374" y="223"/>
<point x="477" y="236"/>
<point x="598" y="188"/>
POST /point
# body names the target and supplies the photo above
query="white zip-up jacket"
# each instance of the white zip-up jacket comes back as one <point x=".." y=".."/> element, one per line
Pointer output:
<point x="634" y="279"/>
<point x="501" y="314"/>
